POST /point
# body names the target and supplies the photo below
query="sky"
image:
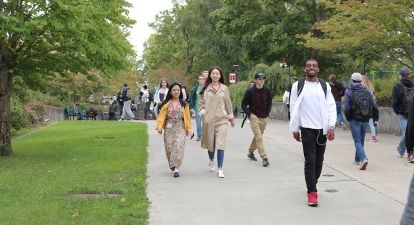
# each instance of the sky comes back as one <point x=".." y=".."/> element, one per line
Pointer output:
<point x="143" y="12"/>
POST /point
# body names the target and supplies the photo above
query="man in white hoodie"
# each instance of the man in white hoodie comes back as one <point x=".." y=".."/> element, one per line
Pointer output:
<point x="313" y="118"/>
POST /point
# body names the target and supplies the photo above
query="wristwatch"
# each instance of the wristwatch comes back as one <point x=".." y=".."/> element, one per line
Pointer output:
<point x="331" y="127"/>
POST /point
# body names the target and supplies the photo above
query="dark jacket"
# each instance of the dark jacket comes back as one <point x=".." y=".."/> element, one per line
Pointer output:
<point x="337" y="90"/>
<point x="193" y="96"/>
<point x="409" y="132"/>
<point x="398" y="95"/>
<point x="259" y="106"/>
<point x="348" y="95"/>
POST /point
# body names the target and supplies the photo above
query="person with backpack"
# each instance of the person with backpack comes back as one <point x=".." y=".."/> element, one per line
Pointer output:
<point x="402" y="95"/>
<point x="313" y="119"/>
<point x="257" y="104"/>
<point x="126" y="99"/>
<point x="360" y="106"/>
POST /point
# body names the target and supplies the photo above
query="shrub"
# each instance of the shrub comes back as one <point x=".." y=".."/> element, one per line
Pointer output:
<point x="383" y="90"/>
<point x="35" y="112"/>
<point x="17" y="113"/>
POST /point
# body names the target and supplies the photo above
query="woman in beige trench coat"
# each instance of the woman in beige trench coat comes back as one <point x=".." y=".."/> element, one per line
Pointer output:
<point x="216" y="111"/>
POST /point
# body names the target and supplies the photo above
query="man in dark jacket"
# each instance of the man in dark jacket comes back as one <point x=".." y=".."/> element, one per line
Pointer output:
<point x="358" y="120"/>
<point x="257" y="103"/>
<point x="398" y="99"/>
<point x="338" y="91"/>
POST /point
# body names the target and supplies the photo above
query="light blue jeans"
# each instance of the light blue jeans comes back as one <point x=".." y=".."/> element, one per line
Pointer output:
<point x="372" y="127"/>
<point x="403" y="125"/>
<point x="340" y="117"/>
<point x="198" y="124"/>
<point x="358" y="134"/>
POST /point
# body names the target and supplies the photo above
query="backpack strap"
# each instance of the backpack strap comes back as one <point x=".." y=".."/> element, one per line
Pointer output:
<point x="301" y="83"/>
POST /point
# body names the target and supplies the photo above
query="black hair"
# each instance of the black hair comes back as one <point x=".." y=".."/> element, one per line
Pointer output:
<point x="208" y="81"/>
<point x="169" y="96"/>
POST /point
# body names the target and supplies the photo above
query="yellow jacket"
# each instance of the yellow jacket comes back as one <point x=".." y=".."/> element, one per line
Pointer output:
<point x="162" y="118"/>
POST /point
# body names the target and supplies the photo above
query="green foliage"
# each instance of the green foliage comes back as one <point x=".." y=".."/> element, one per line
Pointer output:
<point x="237" y="92"/>
<point x="73" y="157"/>
<point x="383" y="90"/>
<point x="19" y="118"/>
<point x="277" y="77"/>
<point x="367" y="29"/>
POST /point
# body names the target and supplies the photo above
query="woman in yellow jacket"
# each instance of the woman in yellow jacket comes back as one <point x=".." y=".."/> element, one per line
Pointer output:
<point x="175" y="119"/>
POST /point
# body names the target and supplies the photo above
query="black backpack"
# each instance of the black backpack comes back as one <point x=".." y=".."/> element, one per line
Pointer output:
<point x="361" y="106"/>
<point x="124" y="94"/>
<point x="151" y="96"/>
<point x="407" y="100"/>
<point x="301" y="83"/>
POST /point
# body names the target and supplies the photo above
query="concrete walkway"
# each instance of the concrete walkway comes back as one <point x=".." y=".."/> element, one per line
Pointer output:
<point x="251" y="194"/>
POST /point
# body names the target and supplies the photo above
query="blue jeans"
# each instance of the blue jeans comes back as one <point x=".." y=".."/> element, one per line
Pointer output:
<point x="339" y="116"/>
<point x="403" y="125"/>
<point x="358" y="134"/>
<point x="198" y="125"/>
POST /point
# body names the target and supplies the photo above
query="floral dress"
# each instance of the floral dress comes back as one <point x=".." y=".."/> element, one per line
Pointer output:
<point x="174" y="136"/>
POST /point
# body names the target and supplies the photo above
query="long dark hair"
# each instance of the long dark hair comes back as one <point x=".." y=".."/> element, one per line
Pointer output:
<point x="169" y="96"/>
<point x="208" y="81"/>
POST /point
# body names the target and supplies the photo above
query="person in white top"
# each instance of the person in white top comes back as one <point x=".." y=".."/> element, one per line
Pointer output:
<point x="313" y="118"/>
<point x="160" y="94"/>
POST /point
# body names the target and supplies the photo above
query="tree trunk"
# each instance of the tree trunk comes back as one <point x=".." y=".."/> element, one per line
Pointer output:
<point x="5" y="90"/>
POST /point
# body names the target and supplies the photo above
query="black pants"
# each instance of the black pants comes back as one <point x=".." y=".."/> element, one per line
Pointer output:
<point x="314" y="144"/>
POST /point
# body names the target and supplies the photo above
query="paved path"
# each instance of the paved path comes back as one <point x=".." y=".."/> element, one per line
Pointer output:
<point x="251" y="194"/>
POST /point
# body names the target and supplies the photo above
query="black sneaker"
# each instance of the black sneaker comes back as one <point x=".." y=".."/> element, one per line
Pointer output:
<point x="176" y="174"/>
<point x="265" y="162"/>
<point x="251" y="156"/>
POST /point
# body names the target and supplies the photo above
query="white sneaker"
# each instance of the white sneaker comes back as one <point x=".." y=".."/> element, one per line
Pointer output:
<point x="211" y="167"/>
<point x="220" y="173"/>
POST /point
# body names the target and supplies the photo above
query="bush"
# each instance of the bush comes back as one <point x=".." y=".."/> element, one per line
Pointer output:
<point x="17" y="113"/>
<point x="35" y="112"/>
<point x="383" y="90"/>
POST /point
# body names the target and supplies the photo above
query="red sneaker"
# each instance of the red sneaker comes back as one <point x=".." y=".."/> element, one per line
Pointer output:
<point x="374" y="138"/>
<point x="313" y="199"/>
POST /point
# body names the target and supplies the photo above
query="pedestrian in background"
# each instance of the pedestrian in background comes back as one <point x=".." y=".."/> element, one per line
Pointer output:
<point x="360" y="106"/>
<point x="160" y="94"/>
<point x="338" y="91"/>
<point x="194" y="97"/>
<point x="367" y="83"/>
<point x="216" y="111"/>
<point x="399" y="104"/>
<point x="175" y="120"/>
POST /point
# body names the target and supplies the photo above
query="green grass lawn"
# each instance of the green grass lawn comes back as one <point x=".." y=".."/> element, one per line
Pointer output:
<point x="76" y="157"/>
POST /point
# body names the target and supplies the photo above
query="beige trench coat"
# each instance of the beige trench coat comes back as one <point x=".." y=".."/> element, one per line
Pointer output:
<point x="216" y="110"/>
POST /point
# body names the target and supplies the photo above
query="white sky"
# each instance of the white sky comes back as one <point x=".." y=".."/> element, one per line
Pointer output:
<point x="144" y="12"/>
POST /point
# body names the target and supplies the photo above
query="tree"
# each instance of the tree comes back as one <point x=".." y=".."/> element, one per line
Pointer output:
<point x="187" y="40"/>
<point x="369" y="28"/>
<point x="40" y="38"/>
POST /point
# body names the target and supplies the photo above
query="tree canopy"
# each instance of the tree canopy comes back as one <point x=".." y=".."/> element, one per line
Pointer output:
<point x="41" y="38"/>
